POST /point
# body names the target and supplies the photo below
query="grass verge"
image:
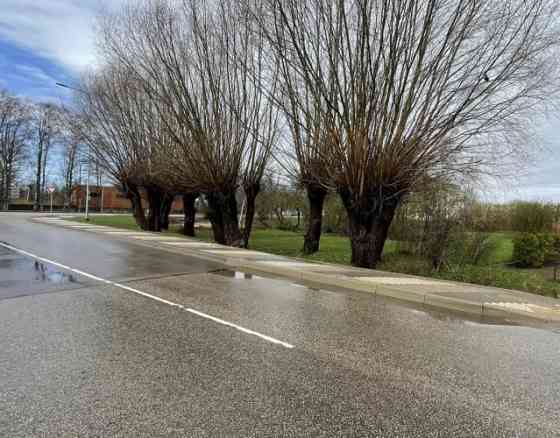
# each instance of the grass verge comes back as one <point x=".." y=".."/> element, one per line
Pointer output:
<point x="336" y="249"/>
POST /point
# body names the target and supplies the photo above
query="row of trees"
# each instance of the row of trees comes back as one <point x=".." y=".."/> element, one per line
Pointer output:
<point x="369" y="99"/>
<point x="32" y="137"/>
<point x="13" y="135"/>
<point x="180" y="107"/>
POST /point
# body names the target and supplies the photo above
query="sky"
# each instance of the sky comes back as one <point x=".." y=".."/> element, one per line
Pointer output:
<point x="43" y="42"/>
<point x="47" y="41"/>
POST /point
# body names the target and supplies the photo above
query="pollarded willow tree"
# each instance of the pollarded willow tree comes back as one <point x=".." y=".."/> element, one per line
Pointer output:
<point x="119" y="124"/>
<point x="306" y="119"/>
<point x="201" y="63"/>
<point x="304" y="157"/>
<point x="415" y="90"/>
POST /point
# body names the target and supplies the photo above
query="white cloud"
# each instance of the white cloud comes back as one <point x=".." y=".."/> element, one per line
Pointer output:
<point x="34" y="73"/>
<point x="61" y="30"/>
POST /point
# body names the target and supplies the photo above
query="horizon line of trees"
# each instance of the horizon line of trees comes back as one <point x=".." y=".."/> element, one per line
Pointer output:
<point x="369" y="100"/>
<point x="34" y="137"/>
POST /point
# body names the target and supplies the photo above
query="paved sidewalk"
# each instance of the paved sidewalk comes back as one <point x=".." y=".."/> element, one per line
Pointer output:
<point x="462" y="297"/>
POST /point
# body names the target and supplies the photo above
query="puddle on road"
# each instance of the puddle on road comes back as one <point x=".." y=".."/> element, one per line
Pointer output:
<point x="240" y="275"/>
<point x="20" y="268"/>
<point x="46" y="274"/>
<point x="237" y="275"/>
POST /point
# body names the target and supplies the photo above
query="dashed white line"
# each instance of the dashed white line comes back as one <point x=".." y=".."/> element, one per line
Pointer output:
<point x="146" y="295"/>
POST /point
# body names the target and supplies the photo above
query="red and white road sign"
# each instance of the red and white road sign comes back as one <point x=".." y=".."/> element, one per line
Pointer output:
<point x="50" y="190"/>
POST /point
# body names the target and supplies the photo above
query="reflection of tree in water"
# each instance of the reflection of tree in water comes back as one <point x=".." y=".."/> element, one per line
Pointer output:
<point x="41" y="271"/>
<point x="44" y="274"/>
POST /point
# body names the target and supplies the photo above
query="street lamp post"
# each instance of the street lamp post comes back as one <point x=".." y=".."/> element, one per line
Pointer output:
<point x="51" y="192"/>
<point x="87" y="191"/>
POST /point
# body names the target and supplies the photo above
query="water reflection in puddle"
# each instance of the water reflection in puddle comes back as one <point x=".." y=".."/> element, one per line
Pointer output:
<point x="237" y="275"/>
<point x="240" y="275"/>
<point x="45" y="274"/>
<point x="15" y="268"/>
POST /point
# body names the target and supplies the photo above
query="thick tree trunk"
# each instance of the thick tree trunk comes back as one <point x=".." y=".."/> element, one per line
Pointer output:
<point x="223" y="217"/>
<point x="8" y="183"/>
<point x="189" y="208"/>
<point x="133" y="194"/>
<point x="160" y="206"/>
<point x="251" y="193"/>
<point x="44" y="177"/>
<point x="37" y="203"/>
<point x="369" y="219"/>
<point x="316" y="197"/>
<point x="69" y="181"/>
<point x="216" y="220"/>
<point x="167" y="204"/>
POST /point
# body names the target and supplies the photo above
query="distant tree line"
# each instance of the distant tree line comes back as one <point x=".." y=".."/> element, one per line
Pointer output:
<point x="38" y="146"/>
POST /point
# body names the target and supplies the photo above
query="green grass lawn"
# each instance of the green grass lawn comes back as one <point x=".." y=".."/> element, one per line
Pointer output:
<point x="336" y="249"/>
<point x="118" y="221"/>
<point x="503" y="251"/>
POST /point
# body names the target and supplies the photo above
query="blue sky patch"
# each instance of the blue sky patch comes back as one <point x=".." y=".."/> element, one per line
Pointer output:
<point x="25" y="73"/>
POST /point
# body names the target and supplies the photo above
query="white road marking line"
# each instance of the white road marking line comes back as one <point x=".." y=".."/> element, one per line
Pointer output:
<point x="152" y="297"/>
<point x="242" y="329"/>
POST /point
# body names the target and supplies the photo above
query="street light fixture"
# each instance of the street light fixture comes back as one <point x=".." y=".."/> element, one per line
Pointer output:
<point x="60" y="84"/>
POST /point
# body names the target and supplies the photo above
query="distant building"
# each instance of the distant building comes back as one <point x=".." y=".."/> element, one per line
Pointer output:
<point x="109" y="198"/>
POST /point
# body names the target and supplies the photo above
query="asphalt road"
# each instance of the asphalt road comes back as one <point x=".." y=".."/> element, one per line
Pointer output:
<point x="206" y="352"/>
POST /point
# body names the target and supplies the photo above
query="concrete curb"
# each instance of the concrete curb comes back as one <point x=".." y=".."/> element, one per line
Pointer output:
<point x="328" y="280"/>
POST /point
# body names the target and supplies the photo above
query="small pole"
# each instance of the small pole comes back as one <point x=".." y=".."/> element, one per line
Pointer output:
<point x="51" y="203"/>
<point x="87" y="192"/>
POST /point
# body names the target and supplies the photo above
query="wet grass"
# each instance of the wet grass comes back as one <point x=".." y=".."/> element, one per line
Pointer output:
<point x="336" y="249"/>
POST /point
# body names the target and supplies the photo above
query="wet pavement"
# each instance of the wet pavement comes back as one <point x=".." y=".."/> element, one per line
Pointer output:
<point x="20" y="275"/>
<point x="79" y="357"/>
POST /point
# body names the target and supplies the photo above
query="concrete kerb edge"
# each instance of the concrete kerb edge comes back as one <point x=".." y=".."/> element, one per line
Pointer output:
<point x="325" y="280"/>
<point x="493" y="310"/>
<point x="150" y="243"/>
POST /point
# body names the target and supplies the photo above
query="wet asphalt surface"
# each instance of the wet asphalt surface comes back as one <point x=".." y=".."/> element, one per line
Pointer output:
<point x="79" y="358"/>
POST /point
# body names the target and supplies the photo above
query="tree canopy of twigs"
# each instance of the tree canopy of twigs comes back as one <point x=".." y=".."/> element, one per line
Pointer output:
<point x="379" y="99"/>
<point x="201" y="65"/>
<point x="116" y="122"/>
<point x="14" y="133"/>
<point x="413" y="90"/>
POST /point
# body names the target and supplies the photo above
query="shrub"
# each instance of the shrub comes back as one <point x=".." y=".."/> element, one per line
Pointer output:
<point x="335" y="219"/>
<point x="531" y="250"/>
<point x="471" y="248"/>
